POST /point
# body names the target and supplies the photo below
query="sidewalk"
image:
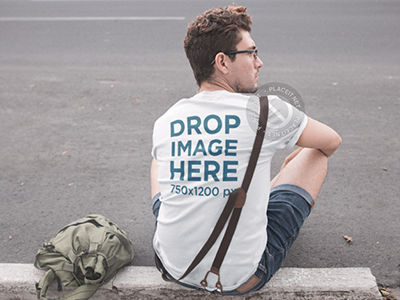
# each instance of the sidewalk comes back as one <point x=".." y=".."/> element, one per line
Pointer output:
<point x="17" y="282"/>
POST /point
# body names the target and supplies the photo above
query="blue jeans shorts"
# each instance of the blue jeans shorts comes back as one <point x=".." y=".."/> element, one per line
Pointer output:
<point x="289" y="206"/>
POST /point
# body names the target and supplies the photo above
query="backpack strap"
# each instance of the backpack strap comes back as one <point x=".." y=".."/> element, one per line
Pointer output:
<point x="43" y="284"/>
<point x="82" y="292"/>
<point x="235" y="202"/>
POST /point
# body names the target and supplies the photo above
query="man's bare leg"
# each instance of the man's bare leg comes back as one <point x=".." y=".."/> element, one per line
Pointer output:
<point x="306" y="168"/>
<point x="286" y="161"/>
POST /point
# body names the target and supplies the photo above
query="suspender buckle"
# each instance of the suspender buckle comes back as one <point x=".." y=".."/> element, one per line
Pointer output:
<point x="218" y="285"/>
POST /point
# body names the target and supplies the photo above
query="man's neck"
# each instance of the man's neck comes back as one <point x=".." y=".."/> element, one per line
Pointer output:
<point x="215" y="85"/>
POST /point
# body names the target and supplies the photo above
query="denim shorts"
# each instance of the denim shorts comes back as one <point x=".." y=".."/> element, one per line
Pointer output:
<point x="289" y="205"/>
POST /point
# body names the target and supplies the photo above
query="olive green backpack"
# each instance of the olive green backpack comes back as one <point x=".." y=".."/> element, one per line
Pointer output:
<point x="86" y="253"/>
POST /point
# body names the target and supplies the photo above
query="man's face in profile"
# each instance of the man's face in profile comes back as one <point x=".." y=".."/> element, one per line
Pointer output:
<point x="243" y="77"/>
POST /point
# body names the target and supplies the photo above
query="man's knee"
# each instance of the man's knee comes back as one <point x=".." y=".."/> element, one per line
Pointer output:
<point x="315" y="157"/>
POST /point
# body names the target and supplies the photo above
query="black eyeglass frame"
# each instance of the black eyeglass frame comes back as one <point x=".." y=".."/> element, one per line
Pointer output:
<point x="255" y="50"/>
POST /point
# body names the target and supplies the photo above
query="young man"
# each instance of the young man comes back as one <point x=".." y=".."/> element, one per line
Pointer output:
<point x="201" y="148"/>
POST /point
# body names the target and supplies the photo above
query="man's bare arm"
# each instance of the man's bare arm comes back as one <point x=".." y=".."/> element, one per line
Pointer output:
<point x="319" y="136"/>
<point x="154" y="185"/>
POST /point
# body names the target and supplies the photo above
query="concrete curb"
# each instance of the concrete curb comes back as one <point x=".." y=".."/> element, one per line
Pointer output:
<point x="17" y="283"/>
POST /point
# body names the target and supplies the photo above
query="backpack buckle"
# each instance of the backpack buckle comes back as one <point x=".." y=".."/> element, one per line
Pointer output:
<point x="47" y="245"/>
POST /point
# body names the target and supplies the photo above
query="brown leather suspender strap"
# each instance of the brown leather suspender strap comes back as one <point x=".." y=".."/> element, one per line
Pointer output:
<point x="262" y="125"/>
<point x="235" y="202"/>
<point x="223" y="248"/>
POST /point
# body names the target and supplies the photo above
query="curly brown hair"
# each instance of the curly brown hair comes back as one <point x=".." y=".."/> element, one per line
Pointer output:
<point x="217" y="30"/>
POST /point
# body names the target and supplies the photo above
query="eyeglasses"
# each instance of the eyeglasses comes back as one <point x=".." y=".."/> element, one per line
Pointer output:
<point x="253" y="51"/>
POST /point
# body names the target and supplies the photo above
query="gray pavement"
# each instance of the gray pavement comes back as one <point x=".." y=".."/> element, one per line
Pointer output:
<point x="79" y="97"/>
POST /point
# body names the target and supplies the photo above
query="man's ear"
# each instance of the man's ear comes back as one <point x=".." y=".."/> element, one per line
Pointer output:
<point x="221" y="62"/>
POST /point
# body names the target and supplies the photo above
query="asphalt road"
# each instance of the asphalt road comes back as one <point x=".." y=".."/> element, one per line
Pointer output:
<point x="82" y="83"/>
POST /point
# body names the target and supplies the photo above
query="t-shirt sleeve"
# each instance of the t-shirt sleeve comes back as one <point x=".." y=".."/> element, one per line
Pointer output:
<point x="160" y="133"/>
<point x="285" y="123"/>
<point x="154" y="139"/>
<point x="298" y="133"/>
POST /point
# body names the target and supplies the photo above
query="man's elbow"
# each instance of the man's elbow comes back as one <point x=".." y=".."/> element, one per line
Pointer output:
<point x="338" y="141"/>
<point x="334" y="145"/>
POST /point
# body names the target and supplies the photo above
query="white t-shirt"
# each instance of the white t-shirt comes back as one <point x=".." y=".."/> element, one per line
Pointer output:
<point x="202" y="146"/>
